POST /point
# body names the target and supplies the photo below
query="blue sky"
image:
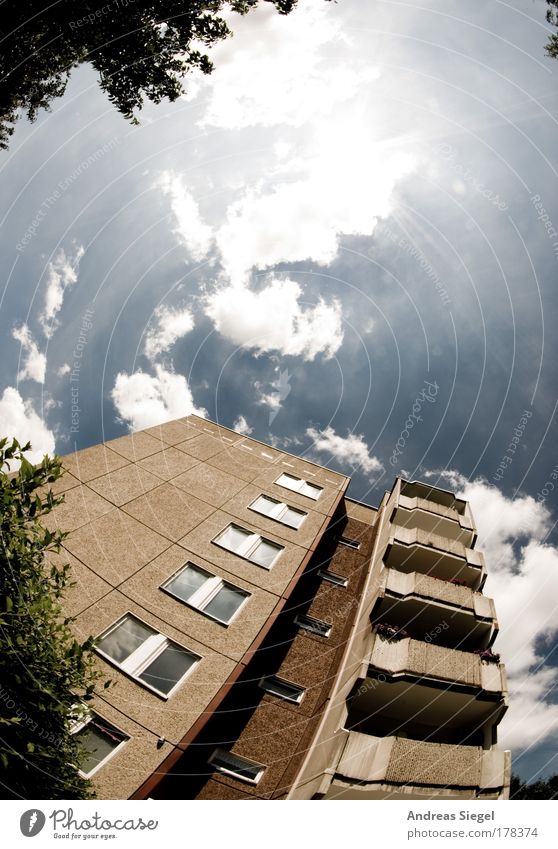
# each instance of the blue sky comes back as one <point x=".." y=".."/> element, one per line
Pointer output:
<point x="351" y="221"/>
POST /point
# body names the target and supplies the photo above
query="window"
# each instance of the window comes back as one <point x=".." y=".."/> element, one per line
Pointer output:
<point x="206" y="592"/>
<point x="316" y="626"/>
<point x="299" y="485"/>
<point x="283" y="689"/>
<point x="351" y="543"/>
<point x="252" y="546"/>
<point x="236" y="766"/>
<point x="146" y="655"/>
<point x="279" y="511"/>
<point x="338" y="580"/>
<point x="100" y="740"/>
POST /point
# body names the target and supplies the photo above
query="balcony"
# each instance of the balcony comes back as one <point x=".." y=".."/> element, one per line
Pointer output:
<point x="436" y="611"/>
<point x="436" y="496"/>
<point x="428" y="693"/>
<point x="434" y="511"/>
<point x="378" y="767"/>
<point x="424" y="660"/>
<point x="417" y="550"/>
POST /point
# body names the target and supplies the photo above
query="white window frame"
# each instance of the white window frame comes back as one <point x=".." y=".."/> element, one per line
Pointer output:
<point x="230" y="770"/>
<point x="249" y="545"/>
<point x="307" y="625"/>
<point x="138" y="661"/>
<point x="80" y="724"/>
<point x="265" y="684"/>
<point x="206" y="593"/>
<point x="298" y="485"/>
<point x="350" y="543"/>
<point x="333" y="578"/>
<point x="279" y="511"/>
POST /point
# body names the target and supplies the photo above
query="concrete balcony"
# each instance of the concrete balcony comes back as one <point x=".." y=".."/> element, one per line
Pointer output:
<point x="427" y="515"/>
<point x="423" y="660"/>
<point x="377" y="767"/>
<point x="417" y="550"/>
<point x="436" y="611"/>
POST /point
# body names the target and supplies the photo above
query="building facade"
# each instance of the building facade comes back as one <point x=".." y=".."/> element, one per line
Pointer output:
<point x="268" y="637"/>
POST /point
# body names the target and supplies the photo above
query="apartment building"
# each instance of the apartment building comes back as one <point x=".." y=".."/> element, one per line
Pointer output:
<point x="268" y="637"/>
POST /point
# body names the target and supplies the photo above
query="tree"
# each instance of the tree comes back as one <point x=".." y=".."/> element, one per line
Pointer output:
<point x="543" y="789"/>
<point x="552" y="18"/>
<point x="46" y="675"/>
<point x="140" y="49"/>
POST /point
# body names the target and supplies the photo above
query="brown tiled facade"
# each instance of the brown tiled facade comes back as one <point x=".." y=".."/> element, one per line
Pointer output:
<point x="297" y="690"/>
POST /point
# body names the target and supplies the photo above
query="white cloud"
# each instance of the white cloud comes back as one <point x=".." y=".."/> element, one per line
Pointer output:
<point x="61" y="274"/>
<point x="523" y="580"/>
<point x="34" y="364"/>
<point x="281" y="69"/>
<point x="194" y="234"/>
<point x="242" y="426"/>
<point x="349" y="450"/>
<point x="271" y="400"/>
<point x="20" y="420"/>
<point x="273" y="319"/>
<point x="318" y="198"/>
<point x="143" y="400"/>
<point x="65" y="369"/>
<point x="294" y="70"/>
<point x="171" y="325"/>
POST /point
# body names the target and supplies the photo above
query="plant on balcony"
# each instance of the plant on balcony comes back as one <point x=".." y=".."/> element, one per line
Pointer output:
<point x="488" y="655"/>
<point x="389" y="632"/>
<point x="457" y="581"/>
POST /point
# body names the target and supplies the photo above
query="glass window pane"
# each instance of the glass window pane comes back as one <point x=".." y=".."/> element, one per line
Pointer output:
<point x="168" y="668"/>
<point x="224" y="605"/>
<point x="233" y="537"/>
<point x="282" y="688"/>
<point x="265" y="505"/>
<point x="187" y="582"/>
<point x="289" y="482"/>
<point x="339" y="580"/>
<point x="125" y="638"/>
<point x="235" y="764"/>
<point x="352" y="543"/>
<point x="310" y="490"/>
<point x="265" y="553"/>
<point x="316" y="626"/>
<point x="98" y="739"/>
<point x="293" y="518"/>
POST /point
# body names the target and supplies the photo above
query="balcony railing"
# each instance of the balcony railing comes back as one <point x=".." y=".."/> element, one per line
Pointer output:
<point x="435" y="518"/>
<point x="400" y="761"/>
<point x="420" y="550"/>
<point x="424" y="660"/>
<point x="465" y="519"/>
<point x="439" y="590"/>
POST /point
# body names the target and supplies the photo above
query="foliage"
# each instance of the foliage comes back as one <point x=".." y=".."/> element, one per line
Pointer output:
<point x="552" y="18"/>
<point x="488" y="655"/>
<point x="544" y="789"/>
<point x="140" y="48"/>
<point x="390" y="632"/>
<point x="44" y="671"/>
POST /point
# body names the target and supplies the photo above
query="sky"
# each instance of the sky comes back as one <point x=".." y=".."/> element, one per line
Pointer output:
<point x="344" y="242"/>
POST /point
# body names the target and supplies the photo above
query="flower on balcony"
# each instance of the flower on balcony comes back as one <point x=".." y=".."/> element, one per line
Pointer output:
<point x="457" y="581"/>
<point x="488" y="656"/>
<point x="389" y="632"/>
